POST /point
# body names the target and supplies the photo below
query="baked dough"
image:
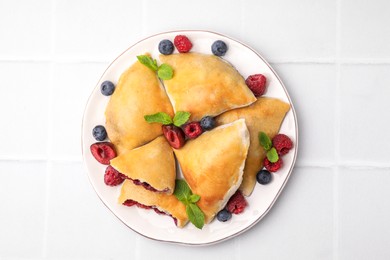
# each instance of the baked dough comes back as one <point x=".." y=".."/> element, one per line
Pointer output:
<point x="265" y="115"/>
<point x="163" y="202"/>
<point x="205" y="85"/>
<point x="152" y="163"/>
<point x="213" y="164"/>
<point x="138" y="93"/>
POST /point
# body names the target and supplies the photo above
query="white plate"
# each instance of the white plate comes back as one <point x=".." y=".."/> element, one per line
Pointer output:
<point x="147" y="222"/>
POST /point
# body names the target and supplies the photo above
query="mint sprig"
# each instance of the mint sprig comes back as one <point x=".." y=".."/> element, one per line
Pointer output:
<point x="164" y="71"/>
<point x="178" y="120"/>
<point x="266" y="143"/>
<point x="184" y="194"/>
<point x="159" y="117"/>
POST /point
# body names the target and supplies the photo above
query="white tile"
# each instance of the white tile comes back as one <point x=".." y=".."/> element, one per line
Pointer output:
<point x="74" y="84"/>
<point x="24" y="104"/>
<point x="365" y="128"/>
<point x="225" y="250"/>
<point x="25" y="27"/>
<point x="79" y="225"/>
<point x="22" y="209"/>
<point x="364" y="214"/>
<point x="291" y="29"/>
<point x="300" y="225"/>
<point x="223" y="16"/>
<point x="312" y="89"/>
<point x="96" y="28"/>
<point x="364" y="29"/>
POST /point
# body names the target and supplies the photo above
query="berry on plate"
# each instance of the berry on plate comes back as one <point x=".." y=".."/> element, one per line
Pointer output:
<point x="174" y="135"/>
<point x="263" y="177"/>
<point x="219" y="48"/>
<point x="282" y="143"/>
<point x="273" y="167"/>
<point x="224" y="215"/>
<point x="207" y="123"/>
<point x="256" y="83"/>
<point x="236" y="203"/>
<point x="182" y="43"/>
<point x="165" y="47"/>
<point x="107" y="88"/>
<point x="112" y="177"/>
<point x="99" y="133"/>
<point x="192" y="130"/>
<point x="103" y="152"/>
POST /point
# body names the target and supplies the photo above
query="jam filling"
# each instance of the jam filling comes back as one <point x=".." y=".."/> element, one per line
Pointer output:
<point x="130" y="203"/>
<point x="147" y="185"/>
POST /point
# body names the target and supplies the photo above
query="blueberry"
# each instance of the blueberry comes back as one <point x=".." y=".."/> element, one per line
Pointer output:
<point x="224" y="215"/>
<point x="165" y="47"/>
<point x="207" y="123"/>
<point x="107" y="88"/>
<point x="99" y="132"/>
<point x="263" y="177"/>
<point x="219" y="48"/>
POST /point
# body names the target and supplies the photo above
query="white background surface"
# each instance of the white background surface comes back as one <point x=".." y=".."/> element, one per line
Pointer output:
<point x="333" y="56"/>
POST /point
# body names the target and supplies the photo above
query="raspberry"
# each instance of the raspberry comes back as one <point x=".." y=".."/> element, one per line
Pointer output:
<point x="256" y="83"/>
<point x="193" y="130"/>
<point x="112" y="177"/>
<point x="103" y="152"/>
<point x="174" y="135"/>
<point x="182" y="43"/>
<point x="273" y="167"/>
<point x="236" y="203"/>
<point x="282" y="143"/>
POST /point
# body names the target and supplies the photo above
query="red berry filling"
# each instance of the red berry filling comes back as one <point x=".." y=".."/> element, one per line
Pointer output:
<point x="103" y="152"/>
<point x="174" y="136"/>
<point x="273" y="167"/>
<point x="130" y="203"/>
<point x="193" y="130"/>
<point x="256" y="83"/>
<point x="182" y="43"/>
<point x="236" y="203"/>
<point x="282" y="143"/>
<point x="112" y="177"/>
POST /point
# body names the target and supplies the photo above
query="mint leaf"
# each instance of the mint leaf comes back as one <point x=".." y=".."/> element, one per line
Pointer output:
<point x="165" y="71"/>
<point x="148" y="62"/>
<point x="160" y="117"/>
<point x="265" y="141"/>
<point x="194" y="198"/>
<point x="195" y="215"/>
<point x="181" y="118"/>
<point x="182" y="191"/>
<point x="272" y="155"/>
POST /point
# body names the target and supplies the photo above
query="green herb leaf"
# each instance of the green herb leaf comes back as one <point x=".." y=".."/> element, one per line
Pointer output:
<point x="272" y="155"/>
<point x="148" y="62"/>
<point x="195" y="215"/>
<point x="181" y="118"/>
<point x="265" y="141"/>
<point x="165" y="71"/>
<point x="194" y="198"/>
<point x="160" y="117"/>
<point x="182" y="191"/>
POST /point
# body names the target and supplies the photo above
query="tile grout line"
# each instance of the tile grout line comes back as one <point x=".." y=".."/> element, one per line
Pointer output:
<point x="49" y="131"/>
<point x="337" y="113"/>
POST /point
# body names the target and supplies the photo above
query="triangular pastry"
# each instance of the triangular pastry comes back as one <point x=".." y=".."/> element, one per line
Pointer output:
<point x="162" y="203"/>
<point x="151" y="165"/>
<point x="213" y="164"/>
<point x="138" y="93"/>
<point x="265" y="115"/>
<point x="205" y="85"/>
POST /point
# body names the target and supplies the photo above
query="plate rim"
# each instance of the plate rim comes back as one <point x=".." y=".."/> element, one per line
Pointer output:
<point x="296" y="145"/>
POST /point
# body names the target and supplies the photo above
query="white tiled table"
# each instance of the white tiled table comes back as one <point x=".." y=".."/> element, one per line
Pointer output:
<point x="333" y="56"/>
